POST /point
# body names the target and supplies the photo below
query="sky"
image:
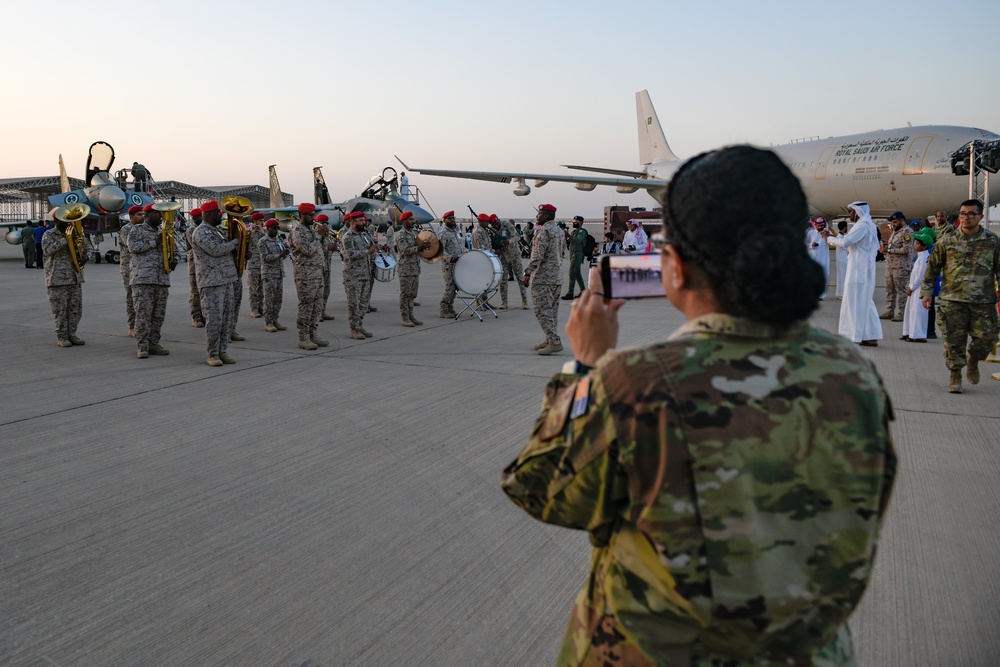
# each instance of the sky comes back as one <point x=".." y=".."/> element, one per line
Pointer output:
<point x="211" y="93"/>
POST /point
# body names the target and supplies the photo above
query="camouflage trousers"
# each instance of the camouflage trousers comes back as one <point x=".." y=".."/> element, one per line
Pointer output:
<point x="960" y="321"/>
<point x="367" y="290"/>
<point x="576" y="274"/>
<point x="237" y="301"/>
<point x="273" y="289"/>
<point x="408" y="286"/>
<point x="194" y="298"/>
<point x="326" y="291"/>
<point x="512" y="266"/>
<point x="66" y="302"/>
<point x="255" y="291"/>
<point x="309" y="288"/>
<point x="448" y="270"/>
<point x="896" y="282"/>
<point x="217" y="306"/>
<point x="357" y="288"/>
<point x="545" y="301"/>
<point x="150" y="309"/>
<point x="129" y="303"/>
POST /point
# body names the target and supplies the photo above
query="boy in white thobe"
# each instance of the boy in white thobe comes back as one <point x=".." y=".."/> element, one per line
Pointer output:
<point x="915" y="315"/>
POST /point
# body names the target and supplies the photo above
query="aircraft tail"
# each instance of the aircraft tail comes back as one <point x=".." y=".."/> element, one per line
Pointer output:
<point x="320" y="192"/>
<point x="653" y="145"/>
<point x="276" y="200"/>
<point x="63" y="178"/>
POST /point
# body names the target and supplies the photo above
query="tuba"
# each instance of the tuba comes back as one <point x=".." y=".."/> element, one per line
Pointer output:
<point x="168" y="209"/>
<point x="433" y="254"/>
<point x="74" y="215"/>
<point x="236" y="208"/>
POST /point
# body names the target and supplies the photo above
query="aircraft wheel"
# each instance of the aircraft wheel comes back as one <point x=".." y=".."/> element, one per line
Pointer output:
<point x="113" y="256"/>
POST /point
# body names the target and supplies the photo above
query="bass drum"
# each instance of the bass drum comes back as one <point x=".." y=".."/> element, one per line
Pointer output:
<point x="478" y="271"/>
<point x="385" y="268"/>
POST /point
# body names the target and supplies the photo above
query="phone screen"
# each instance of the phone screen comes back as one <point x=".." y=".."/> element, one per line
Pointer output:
<point x="633" y="276"/>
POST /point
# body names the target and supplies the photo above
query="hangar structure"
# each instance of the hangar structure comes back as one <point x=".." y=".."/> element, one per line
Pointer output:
<point x="26" y="198"/>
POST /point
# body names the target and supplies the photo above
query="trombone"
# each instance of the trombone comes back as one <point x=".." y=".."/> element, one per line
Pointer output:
<point x="168" y="210"/>
<point x="74" y="215"/>
<point x="236" y="209"/>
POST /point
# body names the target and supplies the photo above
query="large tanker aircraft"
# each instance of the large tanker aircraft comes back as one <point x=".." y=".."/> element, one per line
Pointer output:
<point x="907" y="169"/>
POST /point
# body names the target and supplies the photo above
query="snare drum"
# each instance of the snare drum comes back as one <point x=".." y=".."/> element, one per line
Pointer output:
<point x="478" y="271"/>
<point x="385" y="268"/>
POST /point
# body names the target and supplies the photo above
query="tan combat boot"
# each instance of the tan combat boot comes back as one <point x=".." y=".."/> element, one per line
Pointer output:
<point x="357" y="335"/>
<point x="416" y="321"/>
<point x="279" y="326"/>
<point x="158" y="349"/>
<point x="887" y="315"/>
<point x="76" y="341"/>
<point x="327" y="317"/>
<point x="226" y="359"/>
<point x="320" y="342"/>
<point x="551" y="348"/>
<point x="236" y="336"/>
<point x="539" y="346"/>
<point x="971" y="371"/>
<point x="214" y="361"/>
<point x="64" y="342"/>
<point x="308" y="345"/>
<point x="270" y="328"/>
<point x="445" y="315"/>
<point x="408" y="323"/>
<point x="955" y="382"/>
<point x="141" y="353"/>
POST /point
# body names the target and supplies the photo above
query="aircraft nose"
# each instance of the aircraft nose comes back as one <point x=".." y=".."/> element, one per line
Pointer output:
<point x="420" y="216"/>
<point x="111" y="198"/>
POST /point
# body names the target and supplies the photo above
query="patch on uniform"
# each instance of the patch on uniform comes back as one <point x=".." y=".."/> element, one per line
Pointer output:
<point x="555" y="419"/>
<point x="580" y="398"/>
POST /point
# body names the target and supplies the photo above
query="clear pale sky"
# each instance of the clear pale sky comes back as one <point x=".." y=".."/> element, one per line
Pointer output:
<point x="211" y="93"/>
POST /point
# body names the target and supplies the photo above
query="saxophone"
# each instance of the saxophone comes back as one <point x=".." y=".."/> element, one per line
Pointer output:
<point x="74" y="215"/>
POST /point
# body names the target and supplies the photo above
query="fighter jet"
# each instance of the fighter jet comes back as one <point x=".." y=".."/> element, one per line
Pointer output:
<point x="907" y="169"/>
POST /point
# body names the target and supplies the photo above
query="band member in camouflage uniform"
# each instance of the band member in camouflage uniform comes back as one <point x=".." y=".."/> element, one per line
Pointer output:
<point x="968" y="260"/>
<point x="135" y="219"/>
<point x="370" y="235"/>
<point x="452" y="246"/>
<point x="721" y="534"/>
<point x="358" y="249"/>
<point x="150" y="283"/>
<point x="63" y="283"/>
<point x="308" y="273"/>
<point x="255" y="289"/>
<point x="408" y="268"/>
<point x="272" y="252"/>
<point x="510" y="259"/>
<point x="899" y="255"/>
<point x="329" y="244"/>
<point x="216" y="277"/>
<point x="543" y="276"/>
<point x="194" y="298"/>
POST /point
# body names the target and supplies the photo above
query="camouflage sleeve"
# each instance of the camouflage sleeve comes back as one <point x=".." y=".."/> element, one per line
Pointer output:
<point x="538" y="248"/>
<point x="568" y="474"/>
<point x="934" y="265"/>
<point x="53" y="243"/>
<point x="140" y="242"/>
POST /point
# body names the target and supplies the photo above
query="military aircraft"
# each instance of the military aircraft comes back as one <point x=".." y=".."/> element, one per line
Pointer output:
<point x="379" y="200"/>
<point x="908" y="169"/>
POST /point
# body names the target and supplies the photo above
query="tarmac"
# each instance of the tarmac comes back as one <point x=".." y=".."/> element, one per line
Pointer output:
<point x="342" y="507"/>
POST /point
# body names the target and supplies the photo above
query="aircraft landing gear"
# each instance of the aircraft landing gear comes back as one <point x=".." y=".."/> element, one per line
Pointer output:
<point x="113" y="257"/>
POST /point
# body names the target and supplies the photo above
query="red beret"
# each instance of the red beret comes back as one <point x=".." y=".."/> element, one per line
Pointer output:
<point x="147" y="208"/>
<point x="448" y="214"/>
<point x="195" y="211"/>
<point x="134" y="209"/>
<point x="493" y="217"/>
<point x="483" y="217"/>
<point x="271" y="223"/>
<point x="306" y="207"/>
<point x="257" y="216"/>
<point x="210" y="205"/>
<point x="547" y="207"/>
<point x="322" y="217"/>
<point x="406" y="216"/>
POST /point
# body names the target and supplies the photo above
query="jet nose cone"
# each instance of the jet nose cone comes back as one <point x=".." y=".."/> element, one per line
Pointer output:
<point x="420" y="216"/>
<point x="111" y="198"/>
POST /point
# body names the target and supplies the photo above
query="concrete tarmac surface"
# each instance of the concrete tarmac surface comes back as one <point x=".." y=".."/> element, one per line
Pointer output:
<point x="342" y="507"/>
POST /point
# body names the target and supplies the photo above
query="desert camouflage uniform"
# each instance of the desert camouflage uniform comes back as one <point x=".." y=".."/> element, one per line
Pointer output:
<point x="327" y="257"/>
<point x="254" y="286"/>
<point x="63" y="283"/>
<point x="125" y="268"/>
<point x="732" y="496"/>
<point x="408" y="269"/>
<point x="389" y="241"/>
<point x="272" y="274"/>
<point x="150" y="284"/>
<point x="357" y="276"/>
<point x="237" y="298"/>
<point x="966" y="306"/>
<point x="899" y="256"/>
<point x="216" y="276"/>
<point x="308" y="274"/>
<point x="194" y="297"/>
<point x="510" y="259"/>
<point x="453" y="246"/>
<point x="366" y="293"/>
<point x="481" y="239"/>
<point x="546" y="249"/>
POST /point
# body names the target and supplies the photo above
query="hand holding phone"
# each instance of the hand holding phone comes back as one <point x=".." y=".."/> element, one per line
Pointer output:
<point x="631" y="276"/>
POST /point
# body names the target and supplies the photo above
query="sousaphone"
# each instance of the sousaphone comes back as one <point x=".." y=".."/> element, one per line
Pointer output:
<point x="74" y="214"/>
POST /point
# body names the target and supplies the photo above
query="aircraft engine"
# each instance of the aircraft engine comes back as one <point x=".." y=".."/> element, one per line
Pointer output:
<point x="626" y="189"/>
<point x="13" y="237"/>
<point x="586" y="187"/>
<point x="522" y="190"/>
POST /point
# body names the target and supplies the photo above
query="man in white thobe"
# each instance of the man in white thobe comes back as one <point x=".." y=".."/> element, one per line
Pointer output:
<point x="858" y="315"/>
<point x="819" y="251"/>
<point x="635" y="239"/>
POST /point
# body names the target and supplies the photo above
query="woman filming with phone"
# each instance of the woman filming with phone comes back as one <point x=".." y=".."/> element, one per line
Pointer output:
<point x="733" y="477"/>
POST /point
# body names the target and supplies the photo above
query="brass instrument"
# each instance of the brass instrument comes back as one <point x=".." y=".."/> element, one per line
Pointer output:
<point x="433" y="254"/>
<point x="168" y="210"/>
<point x="74" y="215"/>
<point x="236" y="209"/>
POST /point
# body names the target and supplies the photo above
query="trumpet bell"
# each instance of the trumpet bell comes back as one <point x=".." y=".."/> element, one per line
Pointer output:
<point x="71" y="212"/>
<point x="435" y="252"/>
<point x="236" y="206"/>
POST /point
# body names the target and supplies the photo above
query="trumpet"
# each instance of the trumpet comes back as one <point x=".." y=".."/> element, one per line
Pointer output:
<point x="236" y="208"/>
<point x="74" y="215"/>
<point x="168" y="209"/>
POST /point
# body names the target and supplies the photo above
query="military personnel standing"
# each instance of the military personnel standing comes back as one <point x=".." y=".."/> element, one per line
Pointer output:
<point x="272" y="252"/>
<point x="542" y="275"/>
<point x="194" y="297"/>
<point x="968" y="260"/>
<point x="308" y="273"/>
<point x="899" y="256"/>
<point x="577" y="239"/>
<point x="329" y="244"/>
<point x="63" y="283"/>
<point x="481" y="239"/>
<point x="408" y="268"/>
<point x="216" y="277"/>
<point x="135" y="219"/>
<point x="150" y="283"/>
<point x="254" y="287"/>
<point x="369" y="233"/>
<point x="452" y="247"/>
<point x="28" y="245"/>
<point x="358" y="249"/>
<point x="510" y="259"/>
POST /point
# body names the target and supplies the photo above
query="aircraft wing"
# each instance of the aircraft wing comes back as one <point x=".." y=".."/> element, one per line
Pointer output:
<point x="507" y="177"/>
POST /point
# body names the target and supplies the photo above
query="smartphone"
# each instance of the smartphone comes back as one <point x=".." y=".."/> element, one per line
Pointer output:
<point x="635" y="276"/>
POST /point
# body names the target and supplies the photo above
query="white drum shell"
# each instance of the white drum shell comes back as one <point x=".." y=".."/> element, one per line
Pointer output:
<point x="385" y="268"/>
<point x="478" y="271"/>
